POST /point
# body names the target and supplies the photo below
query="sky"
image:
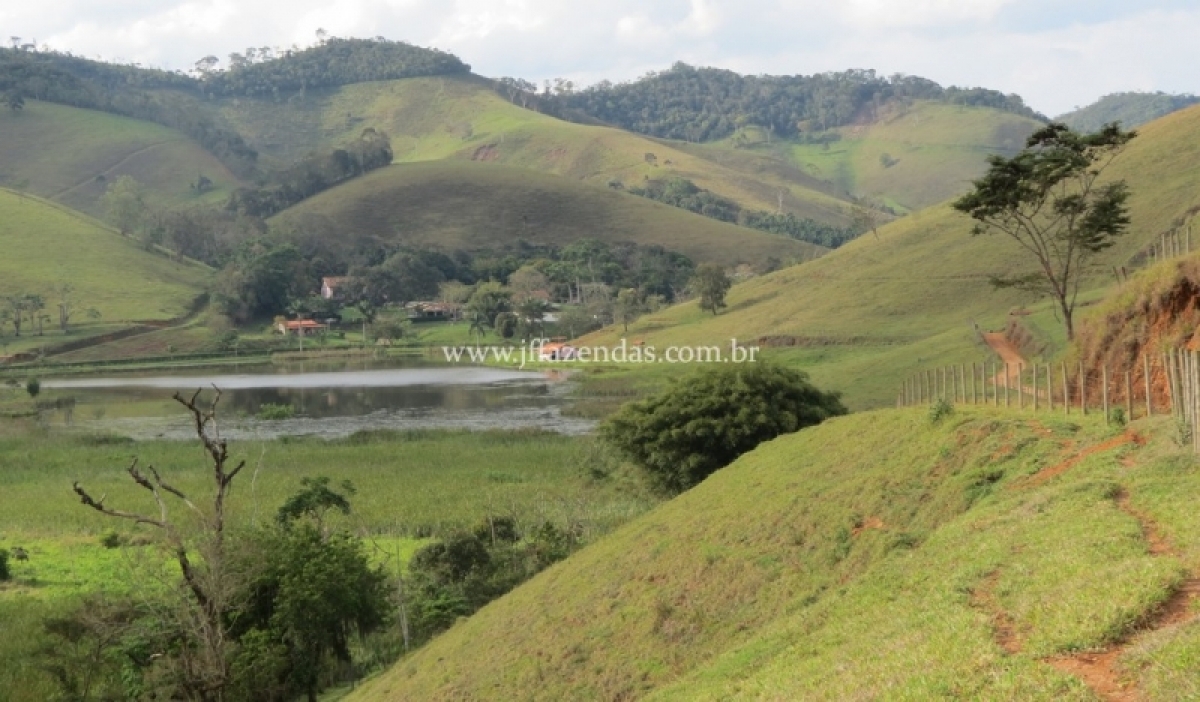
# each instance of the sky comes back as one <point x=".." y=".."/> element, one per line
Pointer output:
<point x="1057" y="54"/>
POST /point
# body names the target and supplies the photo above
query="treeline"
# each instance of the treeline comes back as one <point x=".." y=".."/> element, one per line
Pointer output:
<point x="313" y="174"/>
<point x="280" y="271"/>
<point x="704" y="104"/>
<point x="683" y="193"/>
<point x="333" y="62"/>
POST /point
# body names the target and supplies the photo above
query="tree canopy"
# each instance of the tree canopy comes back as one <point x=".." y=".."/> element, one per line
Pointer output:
<point x="1051" y="201"/>
<point x="706" y="420"/>
<point x="703" y="104"/>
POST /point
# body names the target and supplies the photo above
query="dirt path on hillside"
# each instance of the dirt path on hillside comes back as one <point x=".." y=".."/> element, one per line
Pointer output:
<point x="108" y="171"/>
<point x="1045" y="474"/>
<point x="1012" y="358"/>
<point x="1100" y="670"/>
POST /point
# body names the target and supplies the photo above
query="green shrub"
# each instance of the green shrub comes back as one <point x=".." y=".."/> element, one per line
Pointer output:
<point x="940" y="410"/>
<point x="112" y="540"/>
<point x="33" y="386"/>
<point x="4" y="572"/>
<point x="705" y="421"/>
<point x="1116" y="415"/>
<point x="273" y="411"/>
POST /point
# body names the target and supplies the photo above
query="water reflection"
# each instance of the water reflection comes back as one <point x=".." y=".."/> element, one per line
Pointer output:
<point x="327" y="403"/>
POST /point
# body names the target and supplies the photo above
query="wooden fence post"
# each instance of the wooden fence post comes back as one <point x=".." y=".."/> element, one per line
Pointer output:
<point x="1082" y="390"/>
<point x="1066" y="390"/>
<point x="1036" y="391"/>
<point x="1104" y="390"/>
<point x="1146" y="372"/>
<point x="995" y="385"/>
<point x="1129" y="394"/>
<point x="1050" y="387"/>
<point x="1007" y="398"/>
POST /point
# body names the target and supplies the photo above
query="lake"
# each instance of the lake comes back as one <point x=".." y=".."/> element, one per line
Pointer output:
<point x="330" y="400"/>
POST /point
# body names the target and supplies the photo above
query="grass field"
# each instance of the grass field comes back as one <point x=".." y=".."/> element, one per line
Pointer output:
<point x="70" y="155"/>
<point x="933" y="150"/>
<point x="452" y="205"/>
<point x="410" y="486"/>
<point x="46" y="246"/>
<point x="870" y="313"/>
<point x="462" y="118"/>
<point x="867" y="558"/>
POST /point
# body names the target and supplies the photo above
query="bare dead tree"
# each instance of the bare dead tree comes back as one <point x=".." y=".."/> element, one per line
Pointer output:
<point x="204" y="666"/>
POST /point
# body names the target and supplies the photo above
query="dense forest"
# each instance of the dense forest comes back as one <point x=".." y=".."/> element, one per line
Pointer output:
<point x="313" y="174"/>
<point x="1130" y="109"/>
<point x="703" y="104"/>
<point x="683" y="193"/>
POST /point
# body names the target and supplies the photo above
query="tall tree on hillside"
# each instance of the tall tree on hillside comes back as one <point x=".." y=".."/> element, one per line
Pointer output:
<point x="710" y="283"/>
<point x="1050" y="200"/>
<point x="125" y="204"/>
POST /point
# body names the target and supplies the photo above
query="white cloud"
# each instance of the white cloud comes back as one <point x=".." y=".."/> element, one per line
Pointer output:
<point x="1055" y="53"/>
<point x="920" y="13"/>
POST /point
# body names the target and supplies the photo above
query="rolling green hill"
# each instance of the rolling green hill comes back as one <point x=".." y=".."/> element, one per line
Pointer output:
<point x="472" y="206"/>
<point x="870" y="313"/>
<point x="69" y="155"/>
<point x="915" y="154"/>
<point x="46" y="245"/>
<point x="877" y="556"/>
<point x="463" y="118"/>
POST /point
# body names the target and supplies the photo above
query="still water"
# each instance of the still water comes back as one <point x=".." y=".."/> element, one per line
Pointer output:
<point x="330" y="400"/>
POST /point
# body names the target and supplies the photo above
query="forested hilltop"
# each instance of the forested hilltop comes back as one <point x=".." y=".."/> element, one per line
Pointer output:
<point x="1130" y="109"/>
<point x="704" y="104"/>
<point x="174" y="99"/>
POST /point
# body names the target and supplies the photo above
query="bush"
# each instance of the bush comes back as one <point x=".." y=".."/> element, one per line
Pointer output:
<point x="274" y="411"/>
<point x="4" y="572"/>
<point x="112" y="540"/>
<point x="33" y="386"/>
<point x="940" y="410"/>
<point x="707" y="420"/>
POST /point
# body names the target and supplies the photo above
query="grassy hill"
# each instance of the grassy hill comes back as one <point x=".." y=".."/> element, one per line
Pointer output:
<point x="465" y="205"/>
<point x="876" y="310"/>
<point x="878" y="556"/>
<point x="462" y="118"/>
<point x="70" y="155"/>
<point x="46" y="245"/>
<point x="915" y="155"/>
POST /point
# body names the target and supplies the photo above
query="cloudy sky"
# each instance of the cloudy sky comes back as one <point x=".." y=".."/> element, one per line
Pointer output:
<point x="1057" y="54"/>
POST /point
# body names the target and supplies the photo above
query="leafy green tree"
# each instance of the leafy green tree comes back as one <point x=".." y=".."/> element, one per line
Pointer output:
<point x="489" y="301"/>
<point x="708" y="419"/>
<point x="576" y="321"/>
<point x="531" y="313"/>
<point x="628" y="307"/>
<point x="125" y="203"/>
<point x="710" y="284"/>
<point x="1051" y="201"/>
